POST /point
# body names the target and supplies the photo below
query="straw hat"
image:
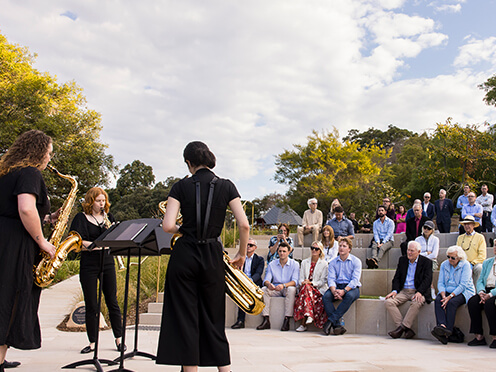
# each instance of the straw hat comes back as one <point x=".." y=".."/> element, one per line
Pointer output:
<point x="470" y="219"/>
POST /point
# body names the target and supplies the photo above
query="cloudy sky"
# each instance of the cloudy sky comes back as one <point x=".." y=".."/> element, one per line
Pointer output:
<point x="253" y="78"/>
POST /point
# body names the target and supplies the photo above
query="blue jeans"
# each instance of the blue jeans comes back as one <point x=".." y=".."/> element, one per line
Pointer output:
<point x="334" y="314"/>
<point x="447" y="316"/>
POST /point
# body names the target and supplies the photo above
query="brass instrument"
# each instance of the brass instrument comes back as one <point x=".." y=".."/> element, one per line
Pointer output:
<point x="45" y="271"/>
<point x="162" y="206"/>
<point x="246" y="294"/>
<point x="107" y="224"/>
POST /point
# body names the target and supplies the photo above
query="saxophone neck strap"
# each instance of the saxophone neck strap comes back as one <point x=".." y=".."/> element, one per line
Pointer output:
<point x="202" y="235"/>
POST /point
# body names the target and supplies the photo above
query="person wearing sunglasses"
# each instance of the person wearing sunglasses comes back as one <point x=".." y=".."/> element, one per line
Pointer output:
<point x="484" y="300"/>
<point x="253" y="268"/>
<point x="309" y="307"/>
<point x="455" y="288"/>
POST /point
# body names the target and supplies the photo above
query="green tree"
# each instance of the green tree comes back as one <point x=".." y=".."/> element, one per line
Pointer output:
<point x="134" y="176"/>
<point x="30" y="99"/>
<point x="326" y="168"/>
<point x="490" y="88"/>
<point x="264" y="204"/>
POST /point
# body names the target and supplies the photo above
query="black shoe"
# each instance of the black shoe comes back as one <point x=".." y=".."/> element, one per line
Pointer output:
<point x="285" y="324"/>
<point x="441" y="338"/>
<point x="476" y="342"/>
<point x="265" y="324"/>
<point x="409" y="333"/>
<point x="10" y="364"/>
<point x="339" y="330"/>
<point x="370" y="263"/>
<point x="398" y="332"/>
<point x="327" y="327"/>
<point x="120" y="347"/>
<point x="493" y="344"/>
<point x="87" y="349"/>
<point x="442" y="331"/>
<point x="239" y="324"/>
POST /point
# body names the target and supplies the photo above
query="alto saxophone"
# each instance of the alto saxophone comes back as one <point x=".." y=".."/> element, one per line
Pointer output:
<point x="45" y="271"/>
<point x="241" y="289"/>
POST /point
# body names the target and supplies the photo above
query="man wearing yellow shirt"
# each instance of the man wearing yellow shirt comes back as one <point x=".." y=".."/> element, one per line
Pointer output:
<point x="474" y="245"/>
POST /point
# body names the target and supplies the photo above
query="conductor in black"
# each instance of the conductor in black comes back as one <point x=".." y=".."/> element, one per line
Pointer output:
<point x="193" y="319"/>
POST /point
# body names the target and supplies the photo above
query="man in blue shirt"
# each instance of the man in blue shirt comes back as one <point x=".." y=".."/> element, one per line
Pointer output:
<point x="383" y="238"/>
<point x="411" y="282"/>
<point x="343" y="278"/>
<point x="463" y="199"/>
<point x="472" y="209"/>
<point x="343" y="227"/>
<point x="281" y="280"/>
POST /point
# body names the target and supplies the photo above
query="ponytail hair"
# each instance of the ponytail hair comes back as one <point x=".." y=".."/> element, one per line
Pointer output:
<point x="198" y="153"/>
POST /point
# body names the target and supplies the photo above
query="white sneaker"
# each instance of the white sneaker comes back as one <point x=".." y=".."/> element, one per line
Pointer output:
<point x="301" y="328"/>
<point x="309" y="320"/>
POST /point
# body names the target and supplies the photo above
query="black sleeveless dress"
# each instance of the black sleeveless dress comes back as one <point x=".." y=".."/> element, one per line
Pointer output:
<point x="193" y="318"/>
<point x="19" y="296"/>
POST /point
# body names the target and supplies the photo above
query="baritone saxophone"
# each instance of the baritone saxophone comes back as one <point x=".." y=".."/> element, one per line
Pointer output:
<point x="45" y="271"/>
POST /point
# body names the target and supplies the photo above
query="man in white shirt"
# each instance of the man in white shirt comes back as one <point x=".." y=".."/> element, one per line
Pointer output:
<point x="312" y="222"/>
<point x="486" y="200"/>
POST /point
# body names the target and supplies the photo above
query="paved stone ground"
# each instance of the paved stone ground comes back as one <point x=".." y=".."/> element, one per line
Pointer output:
<point x="252" y="350"/>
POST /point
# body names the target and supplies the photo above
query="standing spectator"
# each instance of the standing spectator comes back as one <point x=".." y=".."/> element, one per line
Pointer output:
<point x="281" y="280"/>
<point x="413" y="226"/>
<point x="400" y="220"/>
<point x="309" y="306"/>
<point x="455" y="289"/>
<point x="463" y="199"/>
<point x="329" y="243"/>
<point x="390" y="212"/>
<point x="343" y="279"/>
<point x="444" y="212"/>
<point x="472" y="209"/>
<point x="383" y="238"/>
<point x="312" y="222"/>
<point x="409" y="213"/>
<point x="331" y="215"/>
<point x="486" y="200"/>
<point x="253" y="268"/>
<point x="354" y="222"/>
<point x="274" y="242"/>
<point x="343" y="228"/>
<point x="427" y="206"/>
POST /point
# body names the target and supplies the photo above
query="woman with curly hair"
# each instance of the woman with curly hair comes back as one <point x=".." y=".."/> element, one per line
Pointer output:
<point x="24" y="204"/>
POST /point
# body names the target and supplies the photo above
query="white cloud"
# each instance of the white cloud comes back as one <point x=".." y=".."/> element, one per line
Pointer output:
<point x="249" y="79"/>
<point x="449" y="8"/>
<point x="476" y="51"/>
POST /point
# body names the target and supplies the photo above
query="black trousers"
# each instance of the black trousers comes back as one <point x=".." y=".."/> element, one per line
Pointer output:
<point x="447" y="316"/>
<point x="487" y="225"/>
<point x="193" y="319"/>
<point x="475" y="311"/>
<point x="89" y="273"/>
<point x="443" y="226"/>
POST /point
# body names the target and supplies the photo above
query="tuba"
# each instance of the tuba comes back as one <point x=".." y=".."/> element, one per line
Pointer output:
<point x="45" y="271"/>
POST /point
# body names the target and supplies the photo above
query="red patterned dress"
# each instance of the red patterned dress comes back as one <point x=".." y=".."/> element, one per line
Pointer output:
<point x="309" y="302"/>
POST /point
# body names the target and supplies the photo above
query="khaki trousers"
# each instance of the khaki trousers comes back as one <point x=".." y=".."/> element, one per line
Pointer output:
<point x="289" y="293"/>
<point x="392" y="307"/>
<point x="315" y="233"/>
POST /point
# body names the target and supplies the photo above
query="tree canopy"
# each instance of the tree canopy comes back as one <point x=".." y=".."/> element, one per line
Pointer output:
<point x="490" y="88"/>
<point x="30" y="99"/>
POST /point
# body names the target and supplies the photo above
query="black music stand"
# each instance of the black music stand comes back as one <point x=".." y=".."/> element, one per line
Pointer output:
<point x="142" y="237"/>
<point x="97" y="362"/>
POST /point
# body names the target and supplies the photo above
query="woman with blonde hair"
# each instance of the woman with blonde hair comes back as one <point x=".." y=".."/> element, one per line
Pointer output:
<point x="90" y="224"/>
<point x="329" y="243"/>
<point x="313" y="284"/>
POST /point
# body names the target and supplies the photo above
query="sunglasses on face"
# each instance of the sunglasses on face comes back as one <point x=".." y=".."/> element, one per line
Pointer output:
<point x="251" y="245"/>
<point x="452" y="258"/>
<point x="315" y="248"/>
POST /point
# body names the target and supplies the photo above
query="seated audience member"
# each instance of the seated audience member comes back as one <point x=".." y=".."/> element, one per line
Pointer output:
<point x="474" y="245"/>
<point x="463" y="199"/>
<point x="354" y="222"/>
<point x="312" y="222"/>
<point x="411" y="282"/>
<point x="383" y="238"/>
<point x="427" y="206"/>
<point x="309" y="306"/>
<point x="455" y="288"/>
<point x="343" y="228"/>
<point x="281" y="280"/>
<point x="253" y="268"/>
<point x="343" y="278"/>
<point x="400" y="220"/>
<point x="486" y="200"/>
<point x="413" y="226"/>
<point x="367" y="227"/>
<point x="410" y="214"/>
<point x="429" y="243"/>
<point x="390" y="212"/>
<point x="472" y="209"/>
<point x="329" y="243"/>
<point x="484" y="300"/>
<point x="275" y="241"/>
<point x="444" y="212"/>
